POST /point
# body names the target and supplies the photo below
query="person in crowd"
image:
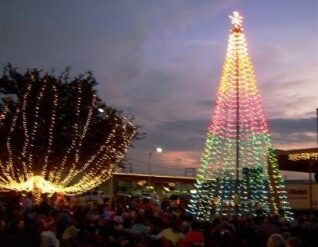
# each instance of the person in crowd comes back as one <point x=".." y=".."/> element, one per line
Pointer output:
<point x="294" y="242"/>
<point x="136" y="222"/>
<point x="48" y="237"/>
<point x="266" y="229"/>
<point x="275" y="240"/>
<point x="171" y="233"/>
<point x="2" y="218"/>
<point x="139" y="227"/>
<point x="194" y="237"/>
<point x="27" y="203"/>
<point x="69" y="236"/>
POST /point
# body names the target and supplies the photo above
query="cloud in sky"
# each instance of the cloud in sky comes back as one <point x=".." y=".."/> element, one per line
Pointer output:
<point x="162" y="60"/>
<point x="183" y="140"/>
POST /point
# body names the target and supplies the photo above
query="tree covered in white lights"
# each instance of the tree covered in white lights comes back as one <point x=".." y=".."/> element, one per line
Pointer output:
<point x="56" y="134"/>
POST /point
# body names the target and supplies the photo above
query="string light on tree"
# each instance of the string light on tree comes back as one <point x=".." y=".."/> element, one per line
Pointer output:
<point x="239" y="170"/>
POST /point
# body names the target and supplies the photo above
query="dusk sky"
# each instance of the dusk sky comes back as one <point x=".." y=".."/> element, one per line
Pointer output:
<point x="161" y="61"/>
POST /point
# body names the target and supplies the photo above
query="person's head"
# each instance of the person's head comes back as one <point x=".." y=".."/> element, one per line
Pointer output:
<point x="47" y="223"/>
<point x="101" y="221"/>
<point x="139" y="219"/>
<point x="29" y="195"/>
<point x="266" y="220"/>
<point x="275" y="240"/>
<point x="294" y="242"/>
<point x="174" y="225"/>
<point x="194" y="226"/>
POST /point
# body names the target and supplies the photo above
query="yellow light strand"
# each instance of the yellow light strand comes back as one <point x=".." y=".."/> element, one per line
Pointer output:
<point x="35" y="128"/>
<point x="51" y="131"/>
<point x="25" y="130"/>
<point x="303" y="156"/>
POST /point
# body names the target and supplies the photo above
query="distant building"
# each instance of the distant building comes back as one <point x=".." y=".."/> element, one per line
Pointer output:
<point x="302" y="195"/>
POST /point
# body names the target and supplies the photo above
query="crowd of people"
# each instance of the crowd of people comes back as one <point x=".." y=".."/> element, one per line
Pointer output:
<point x="141" y="222"/>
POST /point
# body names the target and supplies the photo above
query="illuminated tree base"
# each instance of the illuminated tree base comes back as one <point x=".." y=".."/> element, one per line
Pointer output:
<point x="38" y="185"/>
<point x="35" y="183"/>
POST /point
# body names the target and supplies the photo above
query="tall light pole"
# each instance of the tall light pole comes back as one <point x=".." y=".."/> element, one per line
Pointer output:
<point x="317" y="124"/>
<point x="157" y="150"/>
<point x="310" y="166"/>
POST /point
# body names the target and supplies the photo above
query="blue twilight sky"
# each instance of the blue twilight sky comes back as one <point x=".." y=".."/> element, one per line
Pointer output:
<point x="161" y="61"/>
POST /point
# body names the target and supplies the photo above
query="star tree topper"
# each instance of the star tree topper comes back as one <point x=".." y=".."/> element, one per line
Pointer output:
<point x="236" y="20"/>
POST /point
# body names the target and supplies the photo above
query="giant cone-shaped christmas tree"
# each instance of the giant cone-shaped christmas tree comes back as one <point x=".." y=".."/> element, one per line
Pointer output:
<point x="239" y="170"/>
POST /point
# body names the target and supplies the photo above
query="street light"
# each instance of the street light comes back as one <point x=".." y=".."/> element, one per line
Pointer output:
<point x="101" y="110"/>
<point x="157" y="150"/>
